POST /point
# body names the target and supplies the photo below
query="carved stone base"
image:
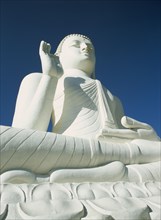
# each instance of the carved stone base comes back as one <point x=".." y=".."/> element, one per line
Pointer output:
<point x="118" y="200"/>
<point x="114" y="181"/>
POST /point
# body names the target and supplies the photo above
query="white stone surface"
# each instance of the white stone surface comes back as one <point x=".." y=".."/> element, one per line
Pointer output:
<point x="96" y="163"/>
<point x="80" y="106"/>
<point x="116" y="200"/>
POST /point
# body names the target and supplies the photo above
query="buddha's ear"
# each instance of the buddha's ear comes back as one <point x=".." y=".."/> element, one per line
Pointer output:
<point x="58" y="62"/>
<point x="59" y="55"/>
<point x="93" y="76"/>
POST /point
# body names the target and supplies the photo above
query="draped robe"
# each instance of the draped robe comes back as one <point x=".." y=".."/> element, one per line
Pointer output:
<point x="82" y="107"/>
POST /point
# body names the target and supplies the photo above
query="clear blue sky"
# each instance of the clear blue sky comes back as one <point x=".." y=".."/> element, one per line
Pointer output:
<point x="126" y="35"/>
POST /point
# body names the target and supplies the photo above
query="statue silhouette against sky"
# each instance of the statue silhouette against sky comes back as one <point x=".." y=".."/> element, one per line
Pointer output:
<point x="79" y="104"/>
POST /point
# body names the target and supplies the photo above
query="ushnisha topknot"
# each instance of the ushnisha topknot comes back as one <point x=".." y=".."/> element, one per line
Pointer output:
<point x="64" y="39"/>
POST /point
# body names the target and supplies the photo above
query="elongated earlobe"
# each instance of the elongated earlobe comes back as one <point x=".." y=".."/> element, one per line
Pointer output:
<point x="93" y="76"/>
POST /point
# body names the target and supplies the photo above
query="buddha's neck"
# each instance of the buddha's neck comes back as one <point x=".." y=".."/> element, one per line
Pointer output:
<point x="75" y="73"/>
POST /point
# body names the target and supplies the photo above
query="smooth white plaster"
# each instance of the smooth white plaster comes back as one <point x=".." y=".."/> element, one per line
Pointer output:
<point x="96" y="163"/>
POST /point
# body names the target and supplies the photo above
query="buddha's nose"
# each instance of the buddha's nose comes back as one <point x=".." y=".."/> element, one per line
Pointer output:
<point x="84" y="46"/>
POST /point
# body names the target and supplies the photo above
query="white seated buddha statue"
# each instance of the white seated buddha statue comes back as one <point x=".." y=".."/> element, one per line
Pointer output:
<point x="96" y="163"/>
<point x="89" y="125"/>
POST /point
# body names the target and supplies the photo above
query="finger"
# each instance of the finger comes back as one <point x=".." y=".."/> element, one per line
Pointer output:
<point x="128" y="122"/>
<point x="45" y="47"/>
<point x="48" y="48"/>
<point x="123" y="133"/>
<point x="41" y="46"/>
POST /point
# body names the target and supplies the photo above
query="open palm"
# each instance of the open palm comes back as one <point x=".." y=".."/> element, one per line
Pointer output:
<point x="49" y="61"/>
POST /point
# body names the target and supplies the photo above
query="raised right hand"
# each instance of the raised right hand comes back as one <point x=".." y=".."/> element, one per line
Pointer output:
<point x="49" y="61"/>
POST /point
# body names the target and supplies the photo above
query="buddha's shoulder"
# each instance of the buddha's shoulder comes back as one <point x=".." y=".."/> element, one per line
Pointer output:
<point x="32" y="76"/>
<point x="104" y="89"/>
<point x="109" y="95"/>
<point x="31" y="80"/>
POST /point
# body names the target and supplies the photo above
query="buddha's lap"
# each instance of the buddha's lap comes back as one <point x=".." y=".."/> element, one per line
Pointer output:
<point x="42" y="152"/>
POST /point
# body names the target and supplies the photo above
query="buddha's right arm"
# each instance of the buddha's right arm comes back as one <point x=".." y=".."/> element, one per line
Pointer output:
<point x="35" y="101"/>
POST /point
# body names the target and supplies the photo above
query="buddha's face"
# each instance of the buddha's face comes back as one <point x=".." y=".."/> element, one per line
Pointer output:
<point x="78" y="52"/>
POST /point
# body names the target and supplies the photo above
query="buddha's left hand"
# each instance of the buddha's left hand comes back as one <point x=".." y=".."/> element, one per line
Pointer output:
<point x="133" y="130"/>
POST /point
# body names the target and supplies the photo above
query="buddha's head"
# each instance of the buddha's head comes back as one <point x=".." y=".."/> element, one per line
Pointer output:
<point x="76" y="51"/>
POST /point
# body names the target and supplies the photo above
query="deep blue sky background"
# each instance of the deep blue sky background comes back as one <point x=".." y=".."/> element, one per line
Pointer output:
<point x="126" y="35"/>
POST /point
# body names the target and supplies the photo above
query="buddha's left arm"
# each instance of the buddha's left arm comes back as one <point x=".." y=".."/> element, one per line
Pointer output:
<point x="126" y="127"/>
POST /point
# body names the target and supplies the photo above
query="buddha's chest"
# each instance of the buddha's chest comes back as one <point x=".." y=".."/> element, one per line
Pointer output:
<point x="76" y="100"/>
